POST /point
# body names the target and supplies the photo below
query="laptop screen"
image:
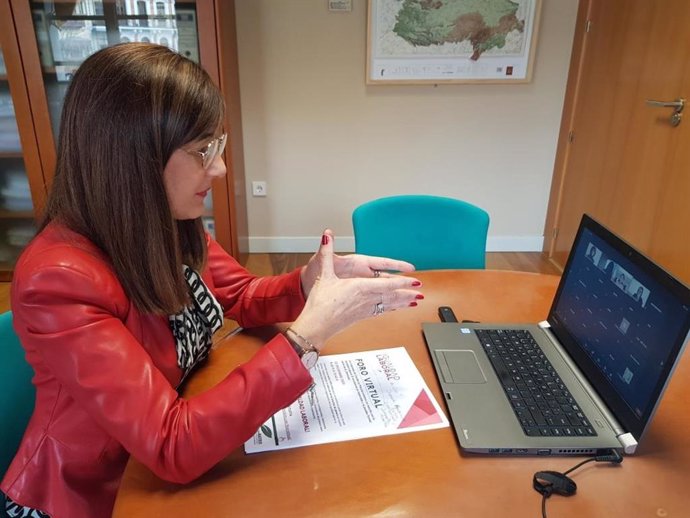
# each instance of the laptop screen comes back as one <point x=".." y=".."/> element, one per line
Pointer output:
<point x="624" y="321"/>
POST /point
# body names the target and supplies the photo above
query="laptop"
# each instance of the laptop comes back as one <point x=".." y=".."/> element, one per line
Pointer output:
<point x="588" y="378"/>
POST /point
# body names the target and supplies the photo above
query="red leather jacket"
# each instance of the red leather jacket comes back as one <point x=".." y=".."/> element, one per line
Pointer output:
<point x="106" y="377"/>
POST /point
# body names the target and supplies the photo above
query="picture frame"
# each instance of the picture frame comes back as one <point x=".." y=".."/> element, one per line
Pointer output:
<point x="451" y="41"/>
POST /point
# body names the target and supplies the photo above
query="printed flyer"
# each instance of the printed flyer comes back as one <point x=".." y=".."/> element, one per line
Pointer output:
<point x="355" y="395"/>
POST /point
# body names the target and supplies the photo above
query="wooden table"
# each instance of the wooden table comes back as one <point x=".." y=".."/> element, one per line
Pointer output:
<point x="424" y="473"/>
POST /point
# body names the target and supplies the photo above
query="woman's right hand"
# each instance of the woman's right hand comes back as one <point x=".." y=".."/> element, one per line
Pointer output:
<point x="333" y="303"/>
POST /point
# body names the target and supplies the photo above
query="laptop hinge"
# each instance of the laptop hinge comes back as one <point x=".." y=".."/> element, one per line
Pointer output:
<point x="628" y="442"/>
<point x="613" y="422"/>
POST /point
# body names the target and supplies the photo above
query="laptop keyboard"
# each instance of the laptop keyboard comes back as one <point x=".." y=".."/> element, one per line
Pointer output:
<point x="540" y="400"/>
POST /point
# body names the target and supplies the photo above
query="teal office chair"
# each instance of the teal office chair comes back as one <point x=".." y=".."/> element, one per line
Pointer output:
<point x="17" y="394"/>
<point x="431" y="232"/>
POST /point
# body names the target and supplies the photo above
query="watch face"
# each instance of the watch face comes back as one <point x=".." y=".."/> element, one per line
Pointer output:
<point x="309" y="359"/>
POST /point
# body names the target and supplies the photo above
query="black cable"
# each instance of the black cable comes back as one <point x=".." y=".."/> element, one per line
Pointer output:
<point x="592" y="459"/>
<point x="547" y="488"/>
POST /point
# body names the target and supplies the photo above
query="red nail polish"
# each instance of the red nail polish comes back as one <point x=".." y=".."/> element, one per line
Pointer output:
<point x="416" y="283"/>
<point x="419" y="297"/>
<point x="413" y="303"/>
<point x="324" y="239"/>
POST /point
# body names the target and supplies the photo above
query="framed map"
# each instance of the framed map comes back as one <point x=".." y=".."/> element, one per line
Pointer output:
<point x="451" y="41"/>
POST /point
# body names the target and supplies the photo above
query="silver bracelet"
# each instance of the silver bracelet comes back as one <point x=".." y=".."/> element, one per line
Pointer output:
<point x="310" y="346"/>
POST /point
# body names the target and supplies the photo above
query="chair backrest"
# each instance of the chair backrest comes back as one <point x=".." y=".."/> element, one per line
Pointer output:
<point x="431" y="232"/>
<point x="17" y="393"/>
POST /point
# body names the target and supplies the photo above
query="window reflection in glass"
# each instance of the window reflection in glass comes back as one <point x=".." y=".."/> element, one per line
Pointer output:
<point x="68" y="31"/>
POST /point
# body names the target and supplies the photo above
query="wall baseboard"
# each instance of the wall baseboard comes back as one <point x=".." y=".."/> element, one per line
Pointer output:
<point x="344" y="244"/>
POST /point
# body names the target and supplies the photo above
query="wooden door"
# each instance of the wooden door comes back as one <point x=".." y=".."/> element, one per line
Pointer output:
<point x="620" y="159"/>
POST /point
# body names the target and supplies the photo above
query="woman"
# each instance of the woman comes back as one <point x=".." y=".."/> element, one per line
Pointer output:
<point x="117" y="297"/>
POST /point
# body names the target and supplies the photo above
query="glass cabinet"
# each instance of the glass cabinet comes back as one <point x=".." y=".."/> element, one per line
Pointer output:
<point x="17" y="225"/>
<point x="67" y="32"/>
<point x="17" y="221"/>
<point x="54" y="37"/>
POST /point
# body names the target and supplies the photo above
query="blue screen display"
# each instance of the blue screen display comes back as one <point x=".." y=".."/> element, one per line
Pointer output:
<point x="622" y="319"/>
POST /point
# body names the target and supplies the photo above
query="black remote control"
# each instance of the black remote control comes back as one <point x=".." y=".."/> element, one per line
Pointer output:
<point x="446" y="314"/>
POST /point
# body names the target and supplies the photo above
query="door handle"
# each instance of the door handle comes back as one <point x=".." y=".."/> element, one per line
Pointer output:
<point x="677" y="106"/>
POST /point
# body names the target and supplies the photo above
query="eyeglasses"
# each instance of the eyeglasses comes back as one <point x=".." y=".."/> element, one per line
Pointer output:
<point x="213" y="150"/>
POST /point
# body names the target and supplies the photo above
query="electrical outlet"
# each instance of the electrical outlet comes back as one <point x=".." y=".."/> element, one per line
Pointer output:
<point x="259" y="188"/>
<point x="340" y="5"/>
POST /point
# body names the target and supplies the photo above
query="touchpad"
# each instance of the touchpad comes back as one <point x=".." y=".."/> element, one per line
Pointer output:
<point x="460" y="366"/>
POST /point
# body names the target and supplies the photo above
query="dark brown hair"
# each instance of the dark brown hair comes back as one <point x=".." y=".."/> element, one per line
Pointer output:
<point x="128" y="108"/>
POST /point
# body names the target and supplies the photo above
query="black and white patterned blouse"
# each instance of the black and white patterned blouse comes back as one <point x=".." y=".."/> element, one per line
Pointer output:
<point x="18" y="511"/>
<point x="192" y="328"/>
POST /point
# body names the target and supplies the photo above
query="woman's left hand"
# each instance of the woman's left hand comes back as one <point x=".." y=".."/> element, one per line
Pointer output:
<point x="350" y="266"/>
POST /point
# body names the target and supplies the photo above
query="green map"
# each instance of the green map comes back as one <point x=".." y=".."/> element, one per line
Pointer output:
<point x="485" y="24"/>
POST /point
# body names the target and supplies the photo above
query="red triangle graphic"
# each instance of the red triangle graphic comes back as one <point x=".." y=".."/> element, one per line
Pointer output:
<point x="422" y="412"/>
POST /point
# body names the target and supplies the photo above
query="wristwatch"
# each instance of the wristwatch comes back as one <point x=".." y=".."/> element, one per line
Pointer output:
<point x="307" y="352"/>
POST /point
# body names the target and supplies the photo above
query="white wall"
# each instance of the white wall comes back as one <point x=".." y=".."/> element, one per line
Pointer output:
<point x="325" y="142"/>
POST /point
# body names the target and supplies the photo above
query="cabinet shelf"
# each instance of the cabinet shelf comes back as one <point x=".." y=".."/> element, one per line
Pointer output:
<point x="6" y="272"/>
<point x="11" y="154"/>
<point x="16" y="214"/>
